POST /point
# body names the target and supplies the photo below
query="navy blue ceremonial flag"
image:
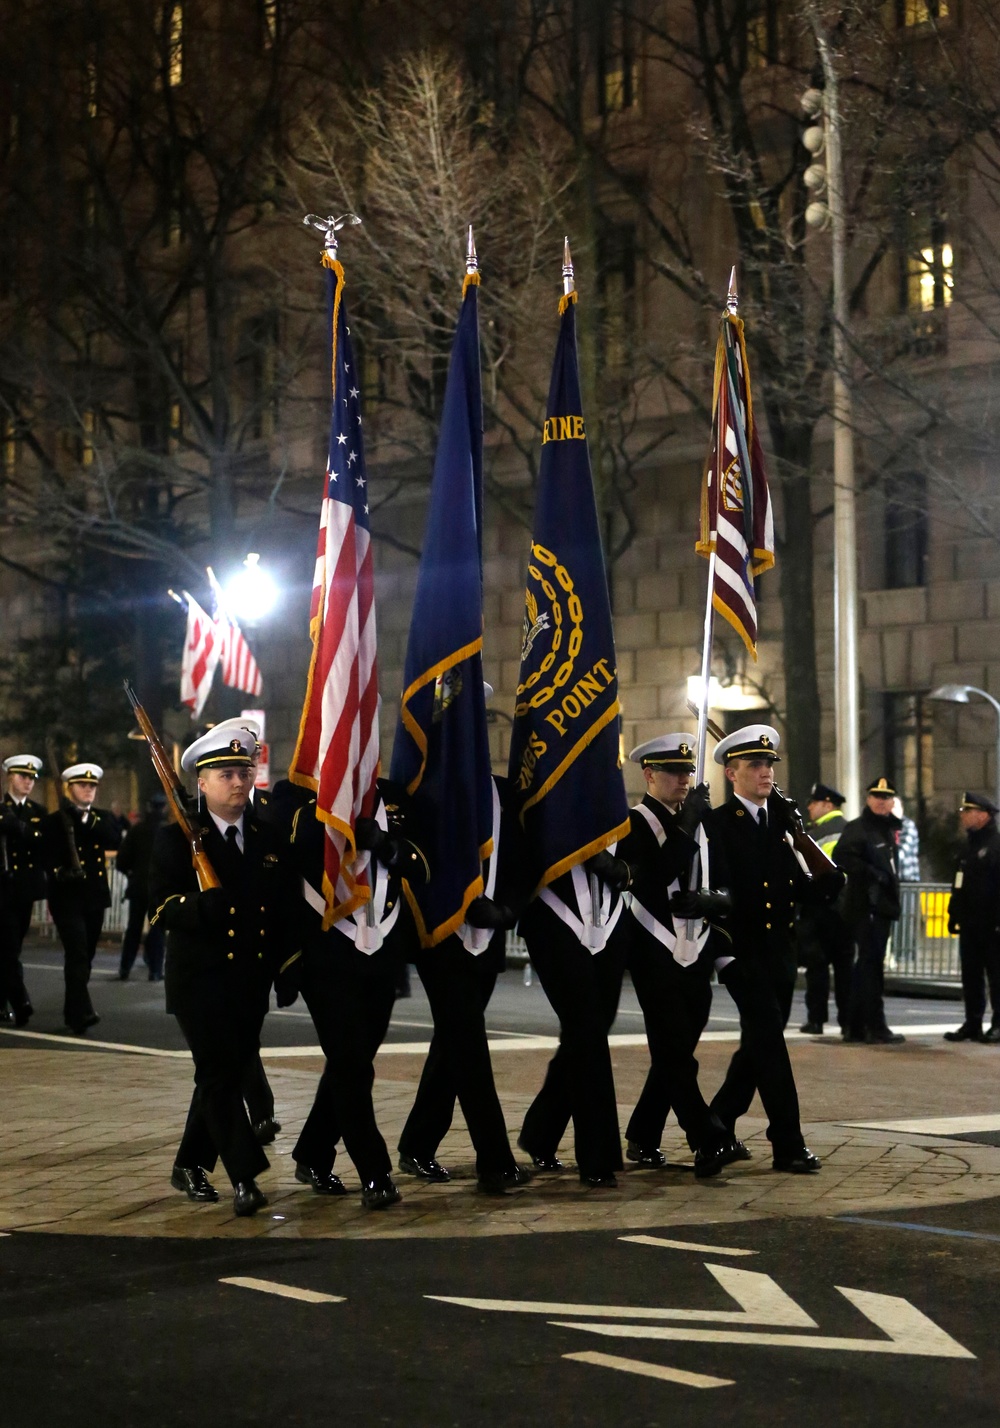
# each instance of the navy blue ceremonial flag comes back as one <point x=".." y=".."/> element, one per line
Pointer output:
<point x="441" y="752"/>
<point x="564" y="765"/>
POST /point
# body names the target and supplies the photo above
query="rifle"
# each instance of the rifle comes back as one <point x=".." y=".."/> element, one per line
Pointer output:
<point x="811" y="853"/>
<point x="174" y="789"/>
<point x="75" y="870"/>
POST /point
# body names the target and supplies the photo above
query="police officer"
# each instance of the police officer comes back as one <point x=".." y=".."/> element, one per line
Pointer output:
<point x="974" y="914"/>
<point x="75" y="839"/>
<point x="824" y="940"/>
<point x="224" y="946"/>
<point x="348" y="976"/>
<point x="748" y="835"/>
<point x="23" y="877"/>
<point x="669" y="958"/>
<point x="866" y="850"/>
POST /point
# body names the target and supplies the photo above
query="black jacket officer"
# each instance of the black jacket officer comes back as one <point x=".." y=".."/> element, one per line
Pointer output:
<point x="755" y="861"/>
<point x="974" y="913"/>
<point x="671" y="971"/>
<point x="866" y="850"/>
<point x="22" y="873"/>
<point x="824" y="940"/>
<point x="224" y="947"/>
<point x="75" y="840"/>
<point x="348" y="977"/>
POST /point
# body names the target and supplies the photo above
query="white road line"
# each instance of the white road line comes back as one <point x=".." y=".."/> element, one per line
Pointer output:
<point x="284" y="1291"/>
<point x="681" y="1245"/>
<point x="931" y="1125"/>
<point x="669" y="1375"/>
<point x="86" y="1043"/>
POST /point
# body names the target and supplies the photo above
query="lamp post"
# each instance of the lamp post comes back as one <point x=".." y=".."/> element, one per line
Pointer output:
<point x="251" y="593"/>
<point x="959" y="694"/>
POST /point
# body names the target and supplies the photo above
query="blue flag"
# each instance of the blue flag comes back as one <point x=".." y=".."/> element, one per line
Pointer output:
<point x="441" y="752"/>
<point x="564" y="767"/>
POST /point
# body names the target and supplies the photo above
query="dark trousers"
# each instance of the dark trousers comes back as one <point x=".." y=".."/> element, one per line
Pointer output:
<point x="451" y="979"/>
<point x="15" y="918"/>
<point x="675" y="1003"/>
<point x="583" y="988"/>
<point x="824" y="944"/>
<point x="79" y="928"/>
<point x="868" y="982"/>
<point x="132" y="941"/>
<point x="349" y="995"/>
<point x="433" y="1110"/>
<point x="223" y="1035"/>
<point x="257" y="1091"/>
<point x="979" y="954"/>
<point x="763" y="996"/>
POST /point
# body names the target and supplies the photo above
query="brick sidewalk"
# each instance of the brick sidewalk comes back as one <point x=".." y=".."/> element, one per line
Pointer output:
<point x="87" y="1141"/>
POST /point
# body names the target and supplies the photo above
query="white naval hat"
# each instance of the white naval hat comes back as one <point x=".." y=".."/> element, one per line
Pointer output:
<point x="238" y="723"/>
<point x="82" y="773"/>
<point x="673" y="752"/>
<point x="233" y="746"/>
<point x="752" y="741"/>
<point x="23" y="764"/>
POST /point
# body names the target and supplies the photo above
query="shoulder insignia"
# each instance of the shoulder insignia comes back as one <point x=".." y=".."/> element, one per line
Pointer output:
<point x="741" y="812"/>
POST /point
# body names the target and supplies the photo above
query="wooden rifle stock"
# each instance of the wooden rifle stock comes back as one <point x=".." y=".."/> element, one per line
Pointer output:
<point x="173" y="788"/>
<point x="808" y="849"/>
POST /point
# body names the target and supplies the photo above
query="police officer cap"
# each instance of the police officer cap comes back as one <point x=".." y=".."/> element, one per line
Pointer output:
<point x="881" y="787"/>
<point x="82" y="773"/>
<point x="751" y="742"/>
<point x="23" y="764"/>
<point x="672" y="752"/>
<point x="823" y="793"/>
<point x="251" y="725"/>
<point x="231" y="748"/>
<point x="978" y="801"/>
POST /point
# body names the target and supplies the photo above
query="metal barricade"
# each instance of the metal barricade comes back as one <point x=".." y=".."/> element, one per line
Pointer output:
<point x="921" y="948"/>
<point x="115" y="918"/>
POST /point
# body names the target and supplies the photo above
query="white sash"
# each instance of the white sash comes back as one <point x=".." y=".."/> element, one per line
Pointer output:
<point x="356" y="927"/>
<point x="684" y="950"/>
<point x="594" y="937"/>
<point x="477" y="939"/>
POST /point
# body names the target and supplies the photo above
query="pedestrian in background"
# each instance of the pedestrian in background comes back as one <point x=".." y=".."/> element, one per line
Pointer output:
<point x="824" y="940"/>
<point x="867" y="851"/>
<point x="974" y="914"/>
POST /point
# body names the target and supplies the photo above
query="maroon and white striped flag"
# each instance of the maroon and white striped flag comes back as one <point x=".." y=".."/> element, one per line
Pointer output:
<point x="737" y="525"/>
<point x="239" y="668"/>
<point x="337" y="753"/>
<point x="202" y="648"/>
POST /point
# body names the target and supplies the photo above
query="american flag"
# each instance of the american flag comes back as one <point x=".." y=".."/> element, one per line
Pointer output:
<point x="737" y="525"/>
<point x="337" y="753"/>
<point x="202" y="648"/>
<point x="239" y="668"/>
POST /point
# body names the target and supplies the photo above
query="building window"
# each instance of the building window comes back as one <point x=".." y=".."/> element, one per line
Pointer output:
<point x="906" y="530"/>
<point x="617" y="260"/>
<point x="269" y="21"/>
<point x="763" y="34"/>
<point x="618" y="66"/>
<point x="912" y="13"/>
<point x="9" y="447"/>
<point x="260" y="360"/>
<point x="175" y="410"/>
<point x="908" y="749"/>
<point x="90" y="86"/>
<point x="88" y="426"/>
<point x="173" y="33"/>
<point x="930" y="270"/>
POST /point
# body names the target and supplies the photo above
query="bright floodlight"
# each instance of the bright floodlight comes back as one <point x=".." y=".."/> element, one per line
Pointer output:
<point x="951" y="693"/>
<point x="251" y="593"/>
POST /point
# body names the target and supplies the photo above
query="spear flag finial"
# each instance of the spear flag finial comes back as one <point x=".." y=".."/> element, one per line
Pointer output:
<point x="732" y="300"/>
<point x="471" y="261"/>
<point x="568" y="283"/>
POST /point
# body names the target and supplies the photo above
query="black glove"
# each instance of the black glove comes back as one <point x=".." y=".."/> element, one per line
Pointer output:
<point x="368" y="835"/>
<point x="213" y="909"/>
<point x="614" y="871"/>
<point x="484" y="912"/>
<point x="953" y="927"/>
<point x="286" y="982"/>
<point x="829" y="885"/>
<point x="701" y="903"/>
<point x="783" y="812"/>
<point x="693" y="809"/>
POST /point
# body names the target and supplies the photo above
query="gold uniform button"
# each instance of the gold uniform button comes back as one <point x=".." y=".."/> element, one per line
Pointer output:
<point x="229" y="956"/>
<point x="263" y="933"/>
<point x="263" y="909"/>
<point x="765" y="884"/>
<point x="768" y="926"/>
<point x="767" y="904"/>
<point x="231" y="934"/>
<point x="232" y="912"/>
<point x="260" y="956"/>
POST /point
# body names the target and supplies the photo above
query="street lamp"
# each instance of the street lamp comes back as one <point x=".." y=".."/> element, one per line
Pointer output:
<point x="959" y="694"/>
<point x="251" y="593"/>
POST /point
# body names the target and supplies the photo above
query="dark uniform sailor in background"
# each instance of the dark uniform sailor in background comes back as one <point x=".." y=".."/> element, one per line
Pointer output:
<point x="671" y="973"/>
<point x="22" y="878"/>
<point x="974" y="913"/>
<point x="224" y="946"/>
<point x="134" y="858"/>
<point x="348" y="976"/>
<point x="483" y="936"/>
<point x="75" y="840"/>
<point x="756" y="863"/>
<point x="824" y="940"/>
<point x="866" y="850"/>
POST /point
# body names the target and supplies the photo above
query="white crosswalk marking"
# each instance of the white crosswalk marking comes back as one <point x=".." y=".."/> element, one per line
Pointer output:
<point x="647" y="1370"/>
<point x="284" y="1291"/>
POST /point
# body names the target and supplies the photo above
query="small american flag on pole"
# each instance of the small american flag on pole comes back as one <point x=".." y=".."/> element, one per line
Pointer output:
<point x="239" y="668"/>
<point x="201" y="655"/>
<point x="737" y="525"/>
<point x="337" y="754"/>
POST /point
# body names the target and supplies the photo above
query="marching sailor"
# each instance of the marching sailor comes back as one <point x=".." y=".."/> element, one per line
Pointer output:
<point x="23" y="875"/>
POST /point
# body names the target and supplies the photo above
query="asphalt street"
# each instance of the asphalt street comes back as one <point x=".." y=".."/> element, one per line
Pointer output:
<point x="808" y="1323"/>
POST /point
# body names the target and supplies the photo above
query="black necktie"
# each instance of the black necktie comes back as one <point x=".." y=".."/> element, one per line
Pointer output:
<point x="762" y="820"/>
<point x="231" y="835"/>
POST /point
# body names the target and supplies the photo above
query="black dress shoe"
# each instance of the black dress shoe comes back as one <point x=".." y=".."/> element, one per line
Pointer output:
<point x="966" y="1033"/>
<point x="646" y="1159"/>
<point x="811" y="1028"/>
<point x="600" y="1182"/>
<point x="23" y="1014"/>
<point x="992" y="1036"/>
<point x="884" y="1037"/>
<point x="547" y="1164"/>
<point x="266" y="1130"/>
<point x="498" y="1182"/>
<point x="711" y="1158"/>
<point x="324" y="1182"/>
<point x="379" y="1194"/>
<point x="194" y="1183"/>
<point x="803" y="1162"/>
<point x="248" y="1198"/>
<point x="429" y="1169"/>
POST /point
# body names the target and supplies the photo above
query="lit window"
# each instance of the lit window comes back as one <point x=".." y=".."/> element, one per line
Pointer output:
<point x="90" y="88"/>
<point x="270" y="17"/>
<point x="930" y="278"/>
<point x="173" y="15"/>
<point x="910" y="13"/>
<point x="618" y="68"/>
<point x="10" y="445"/>
<point x="88" y="425"/>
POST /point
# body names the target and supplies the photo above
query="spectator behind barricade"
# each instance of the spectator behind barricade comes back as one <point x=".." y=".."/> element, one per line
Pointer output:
<point x="908" y="848"/>
<point x="119" y="817"/>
